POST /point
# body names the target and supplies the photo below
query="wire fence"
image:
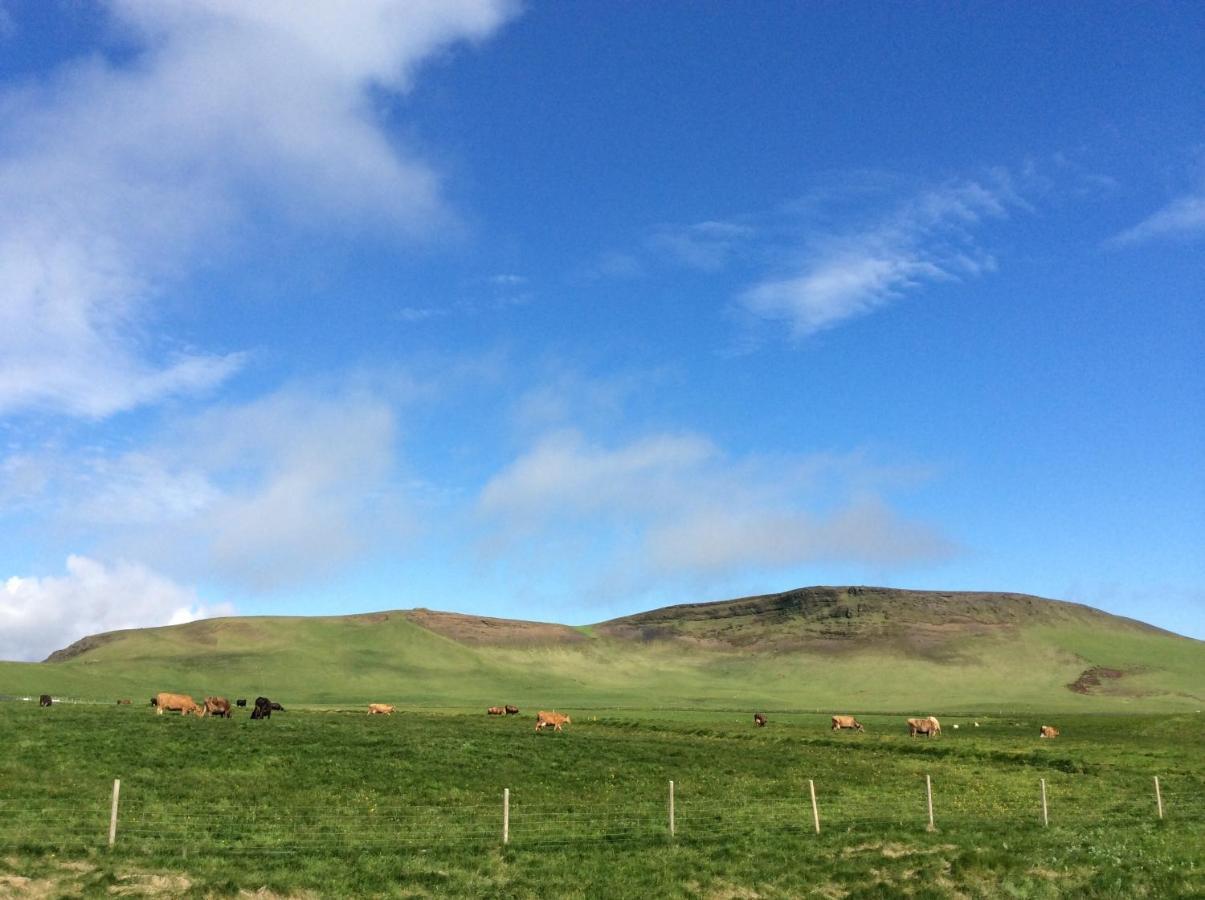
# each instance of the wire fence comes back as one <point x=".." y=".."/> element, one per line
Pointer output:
<point x="139" y="822"/>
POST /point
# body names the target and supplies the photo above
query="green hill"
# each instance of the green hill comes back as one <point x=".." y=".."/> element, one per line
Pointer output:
<point x="855" y="648"/>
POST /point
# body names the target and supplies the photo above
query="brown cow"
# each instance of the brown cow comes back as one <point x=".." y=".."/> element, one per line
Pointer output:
<point x="217" y="706"/>
<point x="1048" y="731"/>
<point x="44" y="700"/>
<point x="123" y="702"/>
<point x="380" y="709"/>
<point x="927" y="726"/>
<point x="512" y="710"/>
<point x="182" y="702"/>
<point x="840" y="722"/>
<point x="495" y="711"/>
<point x="759" y="720"/>
<point x="556" y="720"/>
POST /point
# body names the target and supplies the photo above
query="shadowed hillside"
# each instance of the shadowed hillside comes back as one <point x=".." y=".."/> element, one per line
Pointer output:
<point x="851" y="619"/>
<point x="855" y="648"/>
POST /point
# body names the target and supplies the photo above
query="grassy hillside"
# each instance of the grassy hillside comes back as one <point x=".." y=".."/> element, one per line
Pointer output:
<point x="861" y="649"/>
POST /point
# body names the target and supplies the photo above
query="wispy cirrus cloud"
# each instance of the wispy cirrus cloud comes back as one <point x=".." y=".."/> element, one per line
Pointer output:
<point x="41" y="614"/>
<point x="1182" y="218"/>
<point x="117" y="174"/>
<point x="706" y="246"/>
<point x="841" y="274"/>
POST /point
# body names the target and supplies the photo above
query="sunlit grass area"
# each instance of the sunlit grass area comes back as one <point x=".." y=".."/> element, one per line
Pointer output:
<point x="338" y="803"/>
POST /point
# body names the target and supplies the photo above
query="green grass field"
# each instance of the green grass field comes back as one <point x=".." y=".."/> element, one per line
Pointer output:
<point x="336" y="803"/>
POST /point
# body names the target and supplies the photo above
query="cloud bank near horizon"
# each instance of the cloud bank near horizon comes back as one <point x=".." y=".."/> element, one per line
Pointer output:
<point x="41" y="615"/>
<point x="674" y="507"/>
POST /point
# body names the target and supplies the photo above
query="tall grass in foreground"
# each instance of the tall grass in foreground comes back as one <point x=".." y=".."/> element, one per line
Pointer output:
<point x="339" y="803"/>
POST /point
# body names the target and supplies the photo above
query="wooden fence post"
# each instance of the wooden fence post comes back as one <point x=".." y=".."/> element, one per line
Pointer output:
<point x="1158" y="797"/>
<point x="1045" y="817"/>
<point x="113" y="812"/>
<point x="815" y="809"/>
<point x="505" y="816"/>
<point x="929" y="797"/>
<point x="672" y="825"/>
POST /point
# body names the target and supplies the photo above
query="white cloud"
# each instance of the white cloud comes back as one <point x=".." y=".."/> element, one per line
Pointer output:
<point x="563" y="473"/>
<point x="1184" y="217"/>
<point x="927" y="239"/>
<point x="264" y="494"/>
<point x="865" y="531"/>
<point x="40" y="615"/>
<point x="115" y="176"/>
<point x="675" y="506"/>
<point x="271" y="492"/>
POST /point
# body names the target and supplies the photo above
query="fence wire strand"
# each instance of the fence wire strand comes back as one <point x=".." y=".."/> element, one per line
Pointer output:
<point x="166" y="825"/>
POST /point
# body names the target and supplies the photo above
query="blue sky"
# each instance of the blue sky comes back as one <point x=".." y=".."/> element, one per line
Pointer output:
<point x="565" y="310"/>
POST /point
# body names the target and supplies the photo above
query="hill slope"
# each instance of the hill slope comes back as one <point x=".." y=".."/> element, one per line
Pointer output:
<point x="850" y="648"/>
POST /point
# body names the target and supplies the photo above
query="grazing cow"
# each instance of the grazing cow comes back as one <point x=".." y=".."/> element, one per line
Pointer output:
<point x="380" y="709"/>
<point x="123" y="702"/>
<point x="495" y="711"/>
<point x="44" y="700"/>
<point x="241" y="701"/>
<point x="556" y="720"/>
<point x="759" y="719"/>
<point x="512" y="710"/>
<point x="927" y="726"/>
<point x="217" y="706"/>
<point x="263" y="708"/>
<point x="182" y="703"/>
<point x="276" y="707"/>
<point x="840" y="722"/>
<point x="1048" y="731"/>
<point x="936" y="724"/>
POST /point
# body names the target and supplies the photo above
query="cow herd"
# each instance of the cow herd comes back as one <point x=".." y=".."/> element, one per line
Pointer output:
<point x="216" y="707"/>
<point x="219" y="708"/>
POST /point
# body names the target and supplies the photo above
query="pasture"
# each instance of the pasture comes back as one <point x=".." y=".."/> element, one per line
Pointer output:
<point x="329" y="802"/>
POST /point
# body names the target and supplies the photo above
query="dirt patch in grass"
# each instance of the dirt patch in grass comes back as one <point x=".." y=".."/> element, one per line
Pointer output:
<point x="146" y="885"/>
<point x="20" y="886"/>
<point x="891" y="850"/>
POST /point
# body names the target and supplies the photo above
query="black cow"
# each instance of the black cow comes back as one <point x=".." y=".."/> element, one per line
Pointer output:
<point x="44" y="700"/>
<point x="263" y="708"/>
<point x="276" y="707"/>
<point x="759" y="720"/>
<point x="512" y="710"/>
<point x="241" y="701"/>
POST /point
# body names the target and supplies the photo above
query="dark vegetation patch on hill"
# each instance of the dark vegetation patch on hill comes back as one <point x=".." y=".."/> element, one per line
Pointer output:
<point x="1092" y="678"/>
<point x="852" y="618"/>
<point x="83" y="645"/>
